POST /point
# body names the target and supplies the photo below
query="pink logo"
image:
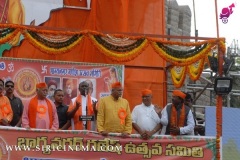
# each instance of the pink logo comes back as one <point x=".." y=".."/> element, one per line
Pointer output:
<point x="226" y="12"/>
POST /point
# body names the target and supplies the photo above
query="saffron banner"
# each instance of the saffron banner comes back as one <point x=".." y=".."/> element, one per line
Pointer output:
<point x="26" y="73"/>
<point x="19" y="143"/>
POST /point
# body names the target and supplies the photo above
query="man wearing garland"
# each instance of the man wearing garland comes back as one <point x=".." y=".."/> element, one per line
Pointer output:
<point x="178" y="117"/>
<point x="41" y="113"/>
<point x="114" y="113"/>
<point x="146" y="116"/>
<point x="82" y="106"/>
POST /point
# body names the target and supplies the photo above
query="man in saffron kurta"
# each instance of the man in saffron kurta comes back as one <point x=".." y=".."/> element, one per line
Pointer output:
<point x="178" y="117"/>
<point x="114" y="113"/>
<point x="6" y="113"/>
<point x="40" y="113"/>
<point x="82" y="105"/>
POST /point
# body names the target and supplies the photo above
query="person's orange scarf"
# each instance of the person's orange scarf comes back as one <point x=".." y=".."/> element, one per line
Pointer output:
<point x="89" y="109"/>
<point x="175" y="122"/>
<point x="32" y="112"/>
<point x="5" y="107"/>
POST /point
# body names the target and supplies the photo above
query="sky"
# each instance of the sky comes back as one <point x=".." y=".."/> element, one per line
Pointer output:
<point x="205" y="14"/>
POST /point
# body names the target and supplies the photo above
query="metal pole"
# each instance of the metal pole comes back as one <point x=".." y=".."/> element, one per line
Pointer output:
<point x="196" y="98"/>
<point x="195" y="26"/>
<point x="219" y="97"/>
<point x="228" y="100"/>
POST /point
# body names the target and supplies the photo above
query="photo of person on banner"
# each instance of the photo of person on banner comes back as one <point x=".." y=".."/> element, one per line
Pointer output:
<point x="81" y="109"/>
<point x="12" y="11"/>
<point x="112" y="79"/>
<point x="25" y="12"/>
<point x="53" y="83"/>
<point x="70" y="89"/>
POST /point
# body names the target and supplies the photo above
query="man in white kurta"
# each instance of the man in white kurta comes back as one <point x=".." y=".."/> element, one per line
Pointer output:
<point x="145" y="117"/>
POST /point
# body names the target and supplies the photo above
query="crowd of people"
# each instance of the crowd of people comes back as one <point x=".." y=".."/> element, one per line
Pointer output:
<point x="111" y="114"/>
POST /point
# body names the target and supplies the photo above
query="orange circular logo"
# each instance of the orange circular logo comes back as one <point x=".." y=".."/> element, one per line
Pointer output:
<point x="26" y="80"/>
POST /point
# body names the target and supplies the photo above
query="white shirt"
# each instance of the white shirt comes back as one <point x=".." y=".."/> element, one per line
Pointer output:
<point x="145" y="117"/>
<point x="189" y="129"/>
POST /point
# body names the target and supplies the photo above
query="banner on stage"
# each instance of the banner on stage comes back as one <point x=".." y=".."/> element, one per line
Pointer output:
<point x="18" y="143"/>
<point x="26" y="73"/>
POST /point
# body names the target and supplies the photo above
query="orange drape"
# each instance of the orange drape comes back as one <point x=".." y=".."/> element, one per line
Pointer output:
<point x="116" y="16"/>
